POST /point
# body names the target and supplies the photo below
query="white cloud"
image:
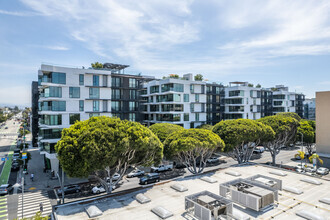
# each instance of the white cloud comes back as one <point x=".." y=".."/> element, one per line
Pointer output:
<point x="327" y="83"/>
<point x="18" y="13"/>
<point x="57" y="47"/>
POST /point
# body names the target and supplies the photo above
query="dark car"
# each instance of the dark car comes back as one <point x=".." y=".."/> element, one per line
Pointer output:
<point x="15" y="166"/>
<point x="150" y="178"/>
<point x="5" y="189"/>
<point x="69" y="189"/>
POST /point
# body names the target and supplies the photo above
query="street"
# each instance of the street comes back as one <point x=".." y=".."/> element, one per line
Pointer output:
<point x="41" y="191"/>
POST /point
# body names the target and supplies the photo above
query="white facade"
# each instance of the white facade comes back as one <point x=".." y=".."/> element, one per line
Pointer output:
<point x="283" y="100"/>
<point x="242" y="101"/>
<point x="177" y="101"/>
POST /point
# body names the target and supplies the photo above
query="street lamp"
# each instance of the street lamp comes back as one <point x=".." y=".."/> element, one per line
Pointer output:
<point x="302" y="140"/>
<point x="61" y="184"/>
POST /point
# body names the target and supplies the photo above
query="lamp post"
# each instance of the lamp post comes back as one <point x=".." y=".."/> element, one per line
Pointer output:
<point x="61" y="184"/>
<point x="302" y="140"/>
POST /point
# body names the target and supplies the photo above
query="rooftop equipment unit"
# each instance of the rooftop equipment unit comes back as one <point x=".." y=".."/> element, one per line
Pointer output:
<point x="179" y="188"/>
<point x="208" y="179"/>
<point x="292" y="190"/>
<point x="233" y="173"/>
<point x="249" y="193"/>
<point x="162" y="212"/>
<point x="278" y="173"/>
<point x="325" y="200"/>
<point x="267" y="181"/>
<point x="208" y="206"/>
<point x="142" y="198"/>
<point x="93" y="211"/>
<point x="309" y="215"/>
<point x="312" y="181"/>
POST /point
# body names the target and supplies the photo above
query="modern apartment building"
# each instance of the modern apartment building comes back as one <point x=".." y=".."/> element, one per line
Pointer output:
<point x="34" y="113"/>
<point x="215" y="103"/>
<point x="242" y="100"/>
<point x="178" y="101"/>
<point x="309" y="109"/>
<point x="286" y="101"/>
<point x="67" y="95"/>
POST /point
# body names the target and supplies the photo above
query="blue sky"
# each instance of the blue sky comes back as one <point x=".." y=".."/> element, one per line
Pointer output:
<point x="267" y="42"/>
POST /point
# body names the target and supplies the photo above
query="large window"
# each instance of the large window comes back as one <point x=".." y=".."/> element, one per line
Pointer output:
<point x="105" y="80"/>
<point x="96" y="80"/>
<point x="186" y="97"/>
<point x="132" y="83"/>
<point x="50" y="133"/>
<point x="196" y="97"/>
<point x="74" y="92"/>
<point x="81" y="105"/>
<point x="172" y="87"/>
<point x="154" y="89"/>
<point x="186" y="116"/>
<point x="96" y="105"/>
<point x="116" y="106"/>
<point x="52" y="92"/>
<point x="196" y="116"/>
<point x="236" y="108"/>
<point x="131" y="116"/>
<point x="172" y="108"/>
<point x="59" y="78"/>
<point x="169" y="98"/>
<point x="94" y="93"/>
<point x="115" y="93"/>
<point x="236" y="93"/>
<point x="132" y="94"/>
<point x="168" y="117"/>
<point x="74" y="118"/>
<point x="81" y="79"/>
<point x="51" y="119"/>
<point x="94" y="115"/>
<point x="154" y="108"/>
<point x="278" y="96"/>
<point x="116" y="82"/>
<point x="105" y="106"/>
<point x="58" y="106"/>
<point x="234" y="101"/>
<point x="132" y="106"/>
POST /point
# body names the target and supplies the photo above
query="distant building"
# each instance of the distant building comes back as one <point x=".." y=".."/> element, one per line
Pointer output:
<point x="323" y="126"/>
<point x="309" y="109"/>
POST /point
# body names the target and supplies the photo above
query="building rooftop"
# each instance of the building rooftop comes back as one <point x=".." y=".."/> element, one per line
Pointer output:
<point x="126" y="206"/>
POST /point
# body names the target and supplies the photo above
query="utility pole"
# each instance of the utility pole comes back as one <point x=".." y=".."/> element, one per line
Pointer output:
<point x="22" y="193"/>
<point x="23" y="171"/>
<point x="61" y="184"/>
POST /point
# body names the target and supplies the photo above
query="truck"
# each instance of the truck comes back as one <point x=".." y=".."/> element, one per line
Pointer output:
<point x="161" y="168"/>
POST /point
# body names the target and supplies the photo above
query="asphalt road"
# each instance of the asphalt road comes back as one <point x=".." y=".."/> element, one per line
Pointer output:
<point x="7" y="136"/>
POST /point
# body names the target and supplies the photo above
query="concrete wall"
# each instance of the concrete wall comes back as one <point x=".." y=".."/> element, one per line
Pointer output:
<point x="323" y="125"/>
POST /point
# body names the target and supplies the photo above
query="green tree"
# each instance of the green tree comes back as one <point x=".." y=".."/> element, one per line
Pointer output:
<point x="199" y="77"/>
<point x="241" y="136"/>
<point x="97" y="65"/>
<point x="290" y="114"/>
<point x="285" y="129"/>
<point x="250" y="85"/>
<point x="192" y="147"/>
<point x="306" y="131"/>
<point x="258" y="86"/>
<point x="163" y="130"/>
<point x="174" y="76"/>
<point x="205" y="126"/>
<point x="37" y="216"/>
<point x="103" y="146"/>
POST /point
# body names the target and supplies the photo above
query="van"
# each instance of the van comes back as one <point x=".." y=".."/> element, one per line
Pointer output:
<point x="150" y="178"/>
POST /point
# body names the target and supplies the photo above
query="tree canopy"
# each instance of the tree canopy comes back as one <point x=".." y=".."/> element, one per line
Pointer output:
<point x="104" y="143"/>
<point x="307" y="132"/>
<point x="205" y="126"/>
<point x="199" y="77"/>
<point x="285" y="128"/>
<point x="97" y="65"/>
<point x="290" y="114"/>
<point x="192" y="147"/>
<point x="241" y="136"/>
<point x="163" y="130"/>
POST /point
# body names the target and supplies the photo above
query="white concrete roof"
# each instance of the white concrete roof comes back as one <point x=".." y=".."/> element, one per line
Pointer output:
<point x="126" y="207"/>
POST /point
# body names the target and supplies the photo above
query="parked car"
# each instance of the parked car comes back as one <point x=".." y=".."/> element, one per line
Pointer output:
<point x="69" y="189"/>
<point x="6" y="127"/>
<point x="300" y="166"/>
<point x="150" y="178"/>
<point x="161" y="168"/>
<point x="98" y="189"/>
<point x="322" y="171"/>
<point x="15" y="166"/>
<point x="115" y="177"/>
<point x="259" y="150"/>
<point x="135" y="173"/>
<point x="5" y="189"/>
<point x="310" y="170"/>
<point x="213" y="160"/>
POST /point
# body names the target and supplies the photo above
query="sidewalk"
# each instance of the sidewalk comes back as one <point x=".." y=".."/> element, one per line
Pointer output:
<point x="42" y="180"/>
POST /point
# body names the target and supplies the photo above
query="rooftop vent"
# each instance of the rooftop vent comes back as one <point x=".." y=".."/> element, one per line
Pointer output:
<point x="240" y="215"/>
<point x="278" y="173"/>
<point x="179" y="188"/>
<point x="142" y="198"/>
<point x="325" y="200"/>
<point x="233" y="173"/>
<point x="292" y="190"/>
<point x="312" y="181"/>
<point x="162" y="212"/>
<point x="208" y="179"/>
<point x="93" y="211"/>
<point x="309" y="215"/>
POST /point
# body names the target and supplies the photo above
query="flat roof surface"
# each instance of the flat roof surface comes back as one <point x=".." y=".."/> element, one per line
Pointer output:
<point x="126" y="207"/>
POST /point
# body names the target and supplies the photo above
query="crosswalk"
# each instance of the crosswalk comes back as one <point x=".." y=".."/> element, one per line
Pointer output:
<point x="3" y="208"/>
<point x="31" y="204"/>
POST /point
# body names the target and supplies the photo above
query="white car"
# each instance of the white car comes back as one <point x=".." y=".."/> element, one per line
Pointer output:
<point x="115" y="177"/>
<point x="322" y="171"/>
<point x="98" y="189"/>
<point x="310" y="169"/>
<point x="161" y="168"/>
<point x="259" y="149"/>
<point x="212" y="160"/>
<point x="135" y="173"/>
